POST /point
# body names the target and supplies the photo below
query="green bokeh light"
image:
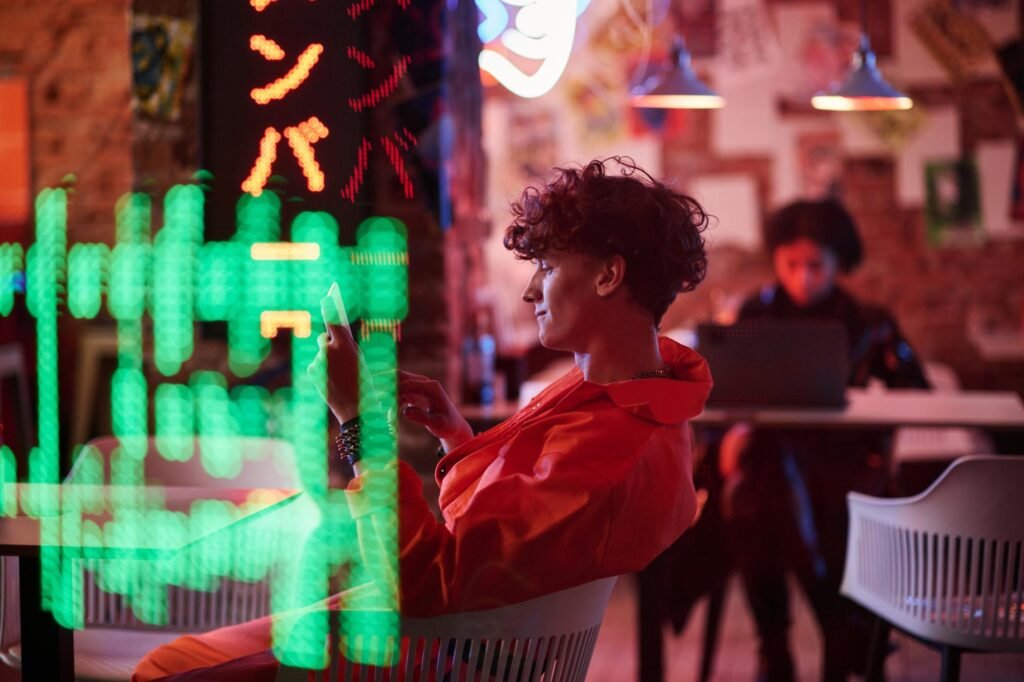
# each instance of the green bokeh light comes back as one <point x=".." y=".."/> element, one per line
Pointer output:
<point x="155" y="289"/>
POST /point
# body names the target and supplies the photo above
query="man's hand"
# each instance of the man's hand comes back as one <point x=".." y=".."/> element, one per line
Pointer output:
<point x="423" y="401"/>
<point x="339" y="359"/>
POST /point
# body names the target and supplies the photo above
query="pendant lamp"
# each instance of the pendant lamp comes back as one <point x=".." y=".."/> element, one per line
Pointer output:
<point x="676" y="86"/>
<point x="864" y="88"/>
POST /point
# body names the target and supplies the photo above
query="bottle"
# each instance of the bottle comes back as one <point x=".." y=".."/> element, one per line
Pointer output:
<point x="479" y="357"/>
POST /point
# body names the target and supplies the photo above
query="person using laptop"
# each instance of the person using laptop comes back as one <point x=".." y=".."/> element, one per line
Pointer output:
<point x="593" y="478"/>
<point x="784" y="491"/>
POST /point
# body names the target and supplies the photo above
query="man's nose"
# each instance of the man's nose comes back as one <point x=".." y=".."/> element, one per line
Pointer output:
<point x="531" y="292"/>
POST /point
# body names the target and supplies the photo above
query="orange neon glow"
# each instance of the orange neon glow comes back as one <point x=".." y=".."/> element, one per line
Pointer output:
<point x="301" y="139"/>
<point x="265" y="46"/>
<point x="260" y="5"/>
<point x="369" y="327"/>
<point x="284" y="251"/>
<point x="291" y="80"/>
<point x="257" y="179"/>
<point x="273" y="320"/>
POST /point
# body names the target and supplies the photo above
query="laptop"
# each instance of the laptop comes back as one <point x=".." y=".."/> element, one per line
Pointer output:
<point x="776" y="363"/>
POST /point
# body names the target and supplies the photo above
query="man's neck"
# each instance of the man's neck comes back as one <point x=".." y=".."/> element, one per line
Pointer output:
<point x="619" y="356"/>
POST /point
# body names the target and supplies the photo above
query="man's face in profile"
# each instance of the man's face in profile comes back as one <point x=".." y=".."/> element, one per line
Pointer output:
<point x="562" y="290"/>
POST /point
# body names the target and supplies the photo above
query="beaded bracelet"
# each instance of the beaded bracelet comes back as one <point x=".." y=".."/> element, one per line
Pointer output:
<point x="347" y="441"/>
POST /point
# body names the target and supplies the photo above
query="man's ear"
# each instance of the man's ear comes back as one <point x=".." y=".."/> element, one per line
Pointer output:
<point x="611" y="276"/>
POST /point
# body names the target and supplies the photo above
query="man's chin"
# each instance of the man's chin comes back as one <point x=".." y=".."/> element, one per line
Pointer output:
<point x="550" y="343"/>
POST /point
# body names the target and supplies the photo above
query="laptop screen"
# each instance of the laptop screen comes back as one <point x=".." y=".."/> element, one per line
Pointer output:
<point x="776" y="363"/>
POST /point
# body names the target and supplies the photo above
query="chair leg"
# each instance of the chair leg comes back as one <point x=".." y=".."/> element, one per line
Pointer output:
<point x="648" y="615"/>
<point x="711" y="626"/>
<point x="950" y="664"/>
<point x="879" y="647"/>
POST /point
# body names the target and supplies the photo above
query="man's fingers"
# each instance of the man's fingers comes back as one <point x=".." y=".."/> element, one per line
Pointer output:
<point x="336" y="328"/>
<point x="422" y="417"/>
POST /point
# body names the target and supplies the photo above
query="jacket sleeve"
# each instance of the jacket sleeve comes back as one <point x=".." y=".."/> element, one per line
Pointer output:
<point x="889" y="355"/>
<point x="531" y="530"/>
<point x="522" y="535"/>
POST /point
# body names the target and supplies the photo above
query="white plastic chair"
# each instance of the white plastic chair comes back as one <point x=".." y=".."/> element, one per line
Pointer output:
<point x="114" y="639"/>
<point x="549" y="638"/>
<point x="945" y="566"/>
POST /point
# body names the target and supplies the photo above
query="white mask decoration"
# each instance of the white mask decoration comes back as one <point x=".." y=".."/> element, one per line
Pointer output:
<point x="544" y="31"/>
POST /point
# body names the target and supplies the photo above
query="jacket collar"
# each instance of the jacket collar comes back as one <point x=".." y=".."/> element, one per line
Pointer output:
<point x="666" y="401"/>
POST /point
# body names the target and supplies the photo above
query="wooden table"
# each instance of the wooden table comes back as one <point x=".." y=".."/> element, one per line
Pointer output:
<point x="47" y="648"/>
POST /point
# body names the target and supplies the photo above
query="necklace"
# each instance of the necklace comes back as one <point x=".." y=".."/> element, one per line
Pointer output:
<point x="663" y="373"/>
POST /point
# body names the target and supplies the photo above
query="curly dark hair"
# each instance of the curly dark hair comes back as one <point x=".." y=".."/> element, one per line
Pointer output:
<point x="825" y="222"/>
<point x="658" y="231"/>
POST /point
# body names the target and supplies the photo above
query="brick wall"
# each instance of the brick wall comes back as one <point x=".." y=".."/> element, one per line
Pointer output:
<point x="932" y="291"/>
<point x="75" y="54"/>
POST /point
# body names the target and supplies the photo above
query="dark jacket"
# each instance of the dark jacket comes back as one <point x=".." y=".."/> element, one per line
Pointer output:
<point x="877" y="346"/>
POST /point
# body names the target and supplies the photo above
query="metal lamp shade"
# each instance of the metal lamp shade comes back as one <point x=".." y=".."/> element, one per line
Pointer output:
<point x="864" y="88"/>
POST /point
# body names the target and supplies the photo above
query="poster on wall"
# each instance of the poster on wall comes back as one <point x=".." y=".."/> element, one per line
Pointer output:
<point x="748" y="46"/>
<point x="161" y="50"/>
<point x="534" y="130"/>
<point x="819" y="163"/>
<point x="1011" y="69"/>
<point x="697" y="20"/>
<point x="1002" y="187"/>
<point x="952" y="202"/>
<point x="957" y="41"/>
<point x="892" y="128"/>
<point x="817" y="48"/>
<point x="998" y="17"/>
<point x="1017" y="184"/>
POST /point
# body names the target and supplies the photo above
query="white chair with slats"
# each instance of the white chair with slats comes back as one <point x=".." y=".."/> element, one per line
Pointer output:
<point x="945" y="566"/>
<point x="114" y="639"/>
<point x="550" y="638"/>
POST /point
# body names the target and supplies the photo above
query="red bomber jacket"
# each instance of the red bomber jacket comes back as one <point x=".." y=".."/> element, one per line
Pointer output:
<point x="587" y="481"/>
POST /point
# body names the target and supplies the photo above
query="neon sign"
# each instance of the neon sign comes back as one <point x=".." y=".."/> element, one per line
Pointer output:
<point x="544" y="32"/>
<point x="301" y="137"/>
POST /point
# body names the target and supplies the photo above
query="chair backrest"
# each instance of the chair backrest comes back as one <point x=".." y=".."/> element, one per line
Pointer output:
<point x="264" y="463"/>
<point x="946" y="565"/>
<point x="549" y="638"/>
<point x="261" y="463"/>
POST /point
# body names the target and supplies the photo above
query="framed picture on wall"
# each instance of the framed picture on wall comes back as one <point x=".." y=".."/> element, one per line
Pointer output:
<point x="952" y="202"/>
